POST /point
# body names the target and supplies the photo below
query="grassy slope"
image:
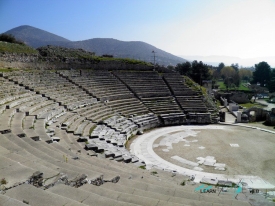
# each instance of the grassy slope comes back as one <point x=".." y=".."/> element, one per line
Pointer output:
<point x="6" y="47"/>
<point x="16" y="48"/>
<point x="249" y="105"/>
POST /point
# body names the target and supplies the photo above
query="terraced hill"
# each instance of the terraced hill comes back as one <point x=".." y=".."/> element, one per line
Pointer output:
<point x="63" y="134"/>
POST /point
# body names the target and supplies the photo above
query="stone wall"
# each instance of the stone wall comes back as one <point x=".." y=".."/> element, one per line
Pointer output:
<point x="13" y="57"/>
<point x="259" y="114"/>
<point x="238" y="97"/>
<point x="270" y="118"/>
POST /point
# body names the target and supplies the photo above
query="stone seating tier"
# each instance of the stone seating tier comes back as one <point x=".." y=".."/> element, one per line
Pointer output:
<point x="128" y="106"/>
<point x="142" y="82"/>
<point x="162" y="105"/>
<point x="49" y="158"/>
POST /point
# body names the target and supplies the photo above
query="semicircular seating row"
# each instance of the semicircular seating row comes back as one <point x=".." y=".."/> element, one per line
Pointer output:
<point x="42" y="119"/>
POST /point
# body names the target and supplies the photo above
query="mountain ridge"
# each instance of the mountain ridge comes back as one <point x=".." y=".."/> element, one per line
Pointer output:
<point x="139" y="50"/>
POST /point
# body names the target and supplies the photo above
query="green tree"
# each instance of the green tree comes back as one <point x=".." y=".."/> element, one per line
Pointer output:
<point x="245" y="74"/>
<point x="200" y="72"/>
<point x="231" y="77"/>
<point x="184" y="68"/>
<point x="10" y="38"/>
<point x="227" y="72"/>
<point x="220" y="67"/>
<point x="271" y="84"/>
<point x="262" y="73"/>
<point x="236" y="79"/>
<point x="235" y="66"/>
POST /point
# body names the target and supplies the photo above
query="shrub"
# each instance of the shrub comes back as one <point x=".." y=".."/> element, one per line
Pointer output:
<point x="182" y="183"/>
<point x="10" y="38"/>
<point x="3" y="181"/>
<point x="142" y="167"/>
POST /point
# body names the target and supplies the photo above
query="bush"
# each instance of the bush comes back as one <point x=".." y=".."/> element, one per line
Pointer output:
<point x="182" y="183"/>
<point x="10" y="38"/>
<point x="3" y="181"/>
<point x="142" y="167"/>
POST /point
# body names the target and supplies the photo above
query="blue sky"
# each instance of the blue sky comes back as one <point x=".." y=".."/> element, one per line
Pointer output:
<point x="242" y="28"/>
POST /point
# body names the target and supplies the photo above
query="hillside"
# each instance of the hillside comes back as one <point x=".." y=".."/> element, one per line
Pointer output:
<point x="6" y="47"/>
<point x="62" y="54"/>
<point x="35" y="37"/>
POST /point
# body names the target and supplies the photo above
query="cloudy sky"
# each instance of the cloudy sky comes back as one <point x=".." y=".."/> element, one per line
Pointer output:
<point x="239" y="28"/>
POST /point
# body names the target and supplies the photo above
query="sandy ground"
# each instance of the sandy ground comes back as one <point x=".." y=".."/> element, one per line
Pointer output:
<point x="254" y="156"/>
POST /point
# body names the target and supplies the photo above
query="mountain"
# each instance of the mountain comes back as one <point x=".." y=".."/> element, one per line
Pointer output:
<point x="35" y="37"/>
<point x="228" y="60"/>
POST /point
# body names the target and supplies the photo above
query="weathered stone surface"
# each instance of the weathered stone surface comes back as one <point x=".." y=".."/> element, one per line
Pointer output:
<point x="270" y="117"/>
<point x="98" y="181"/>
<point x="36" y="179"/>
<point x="78" y="181"/>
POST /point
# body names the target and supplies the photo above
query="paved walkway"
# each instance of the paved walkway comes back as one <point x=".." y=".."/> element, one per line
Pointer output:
<point x="142" y="147"/>
<point x="268" y="107"/>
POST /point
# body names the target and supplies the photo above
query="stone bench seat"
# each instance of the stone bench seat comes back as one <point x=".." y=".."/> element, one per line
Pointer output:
<point x="42" y="110"/>
<point x="70" y="120"/>
<point x="39" y="127"/>
<point x="52" y="114"/>
<point x="28" y="122"/>
<point x="106" y="90"/>
<point x="128" y="111"/>
<point x="10" y="98"/>
<point x="108" y="86"/>
<point x="40" y="103"/>
<point x="189" y="97"/>
<point x="126" y="106"/>
<point x="183" y="105"/>
<point x="151" y="93"/>
<point x="99" y="114"/>
<point x="81" y="128"/>
<point x="5" y="119"/>
<point x="36" y="196"/>
<point x="115" y="96"/>
<point x="17" y="124"/>
<point x="164" y="110"/>
<point x="46" y="152"/>
<point x="30" y="133"/>
<point x="88" y="197"/>
<point x="81" y="103"/>
<point x="94" y="109"/>
<point x="119" y="102"/>
<point x="195" y="109"/>
<point x="73" y="126"/>
<point x="20" y="101"/>
<point x="14" y="171"/>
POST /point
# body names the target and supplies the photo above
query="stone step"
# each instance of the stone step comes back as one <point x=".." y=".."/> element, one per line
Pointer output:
<point x="39" y="197"/>
<point x="8" y="201"/>
<point x="124" y="197"/>
<point x="51" y="159"/>
<point x="85" y="197"/>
